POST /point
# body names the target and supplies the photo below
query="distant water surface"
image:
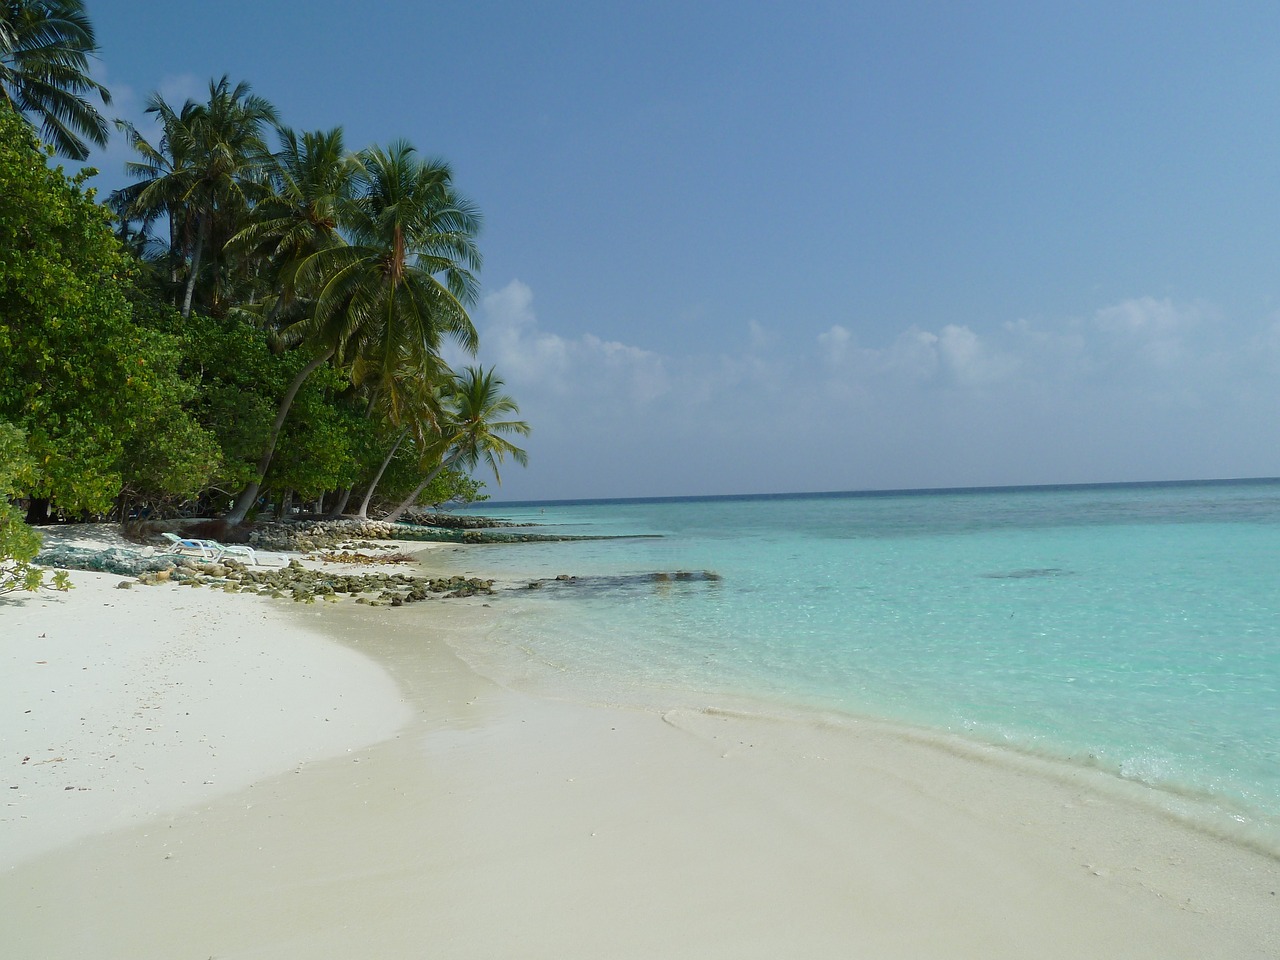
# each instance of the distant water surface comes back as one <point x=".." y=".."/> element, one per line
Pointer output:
<point x="1133" y="628"/>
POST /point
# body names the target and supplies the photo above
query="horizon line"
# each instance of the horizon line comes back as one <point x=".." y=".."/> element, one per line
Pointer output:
<point x="879" y="492"/>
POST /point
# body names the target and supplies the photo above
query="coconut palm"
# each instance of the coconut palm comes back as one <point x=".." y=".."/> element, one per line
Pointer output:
<point x="309" y="180"/>
<point x="473" y="431"/>
<point x="406" y="275"/>
<point x="165" y="175"/>
<point x="397" y="288"/>
<point x="205" y="173"/>
<point x="44" y="72"/>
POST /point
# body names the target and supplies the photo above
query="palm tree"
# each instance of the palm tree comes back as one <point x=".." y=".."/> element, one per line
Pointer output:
<point x="400" y="284"/>
<point x="165" y="175"/>
<point x="474" y="431"/>
<point x="413" y="402"/>
<point x="310" y="181"/>
<point x="406" y="276"/>
<point x="44" y="71"/>
<point x="205" y="173"/>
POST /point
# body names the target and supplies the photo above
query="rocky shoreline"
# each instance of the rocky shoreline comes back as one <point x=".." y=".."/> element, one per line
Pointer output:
<point x="306" y="584"/>
<point x="306" y="535"/>
<point x="132" y="552"/>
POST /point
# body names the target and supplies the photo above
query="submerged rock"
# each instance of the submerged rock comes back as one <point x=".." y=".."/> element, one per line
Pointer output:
<point x="660" y="578"/>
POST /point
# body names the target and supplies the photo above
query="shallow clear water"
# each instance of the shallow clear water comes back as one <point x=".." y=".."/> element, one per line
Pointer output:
<point x="1134" y="628"/>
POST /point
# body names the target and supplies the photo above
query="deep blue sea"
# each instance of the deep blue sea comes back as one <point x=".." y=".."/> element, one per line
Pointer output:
<point x="1133" y="629"/>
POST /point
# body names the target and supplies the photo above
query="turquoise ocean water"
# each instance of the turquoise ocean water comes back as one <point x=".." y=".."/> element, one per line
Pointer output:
<point x="1133" y="629"/>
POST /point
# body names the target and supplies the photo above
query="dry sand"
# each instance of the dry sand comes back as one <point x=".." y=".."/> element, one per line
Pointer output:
<point x="487" y="822"/>
<point x="118" y="705"/>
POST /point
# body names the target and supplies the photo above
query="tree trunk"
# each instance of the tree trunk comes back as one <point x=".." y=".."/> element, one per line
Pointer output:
<point x="342" y="498"/>
<point x="244" y="502"/>
<point x="173" y="245"/>
<point x="412" y="498"/>
<point x="363" y="514"/>
<point x="195" y="268"/>
<point x="286" y="502"/>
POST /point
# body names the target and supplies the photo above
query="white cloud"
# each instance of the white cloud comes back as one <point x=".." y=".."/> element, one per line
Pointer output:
<point x="1136" y="389"/>
<point x="1154" y="330"/>
<point x="177" y="89"/>
<point x="835" y="343"/>
<point x="971" y="362"/>
<point x="761" y="339"/>
<point x="588" y="367"/>
<point x="913" y="355"/>
<point x="916" y="356"/>
<point x="1144" y="316"/>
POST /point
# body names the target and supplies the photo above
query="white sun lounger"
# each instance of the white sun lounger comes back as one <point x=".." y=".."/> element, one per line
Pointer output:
<point x="208" y="549"/>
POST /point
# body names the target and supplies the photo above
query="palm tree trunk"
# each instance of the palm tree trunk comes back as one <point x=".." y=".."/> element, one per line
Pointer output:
<point x="173" y="245"/>
<point x="377" y="477"/>
<point x="340" y="505"/>
<point x="195" y="268"/>
<point x="412" y="498"/>
<point x="409" y="501"/>
<point x="240" y="509"/>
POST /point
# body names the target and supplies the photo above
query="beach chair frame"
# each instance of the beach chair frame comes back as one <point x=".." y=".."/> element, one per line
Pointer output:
<point x="209" y="550"/>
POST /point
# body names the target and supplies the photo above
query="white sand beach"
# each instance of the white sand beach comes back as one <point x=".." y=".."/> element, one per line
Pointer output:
<point x="121" y="705"/>
<point x="193" y="774"/>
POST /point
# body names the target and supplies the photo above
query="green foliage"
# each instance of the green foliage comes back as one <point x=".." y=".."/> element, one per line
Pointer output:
<point x="82" y="377"/>
<point x="238" y="381"/>
<point x="316" y="288"/>
<point x="326" y="442"/>
<point x="404" y="476"/>
<point x="452" y="486"/>
<point x="19" y="544"/>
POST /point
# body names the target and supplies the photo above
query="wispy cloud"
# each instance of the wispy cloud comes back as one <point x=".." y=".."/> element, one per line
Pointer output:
<point x="588" y="366"/>
<point x="1139" y="388"/>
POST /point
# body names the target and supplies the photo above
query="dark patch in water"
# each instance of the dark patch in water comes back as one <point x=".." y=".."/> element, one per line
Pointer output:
<point x="1028" y="573"/>
<point x="657" y="582"/>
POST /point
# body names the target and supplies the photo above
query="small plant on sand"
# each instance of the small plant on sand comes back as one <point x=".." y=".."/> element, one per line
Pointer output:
<point x="19" y="544"/>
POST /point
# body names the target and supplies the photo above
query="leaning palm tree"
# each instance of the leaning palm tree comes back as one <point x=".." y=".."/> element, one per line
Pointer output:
<point x="412" y="401"/>
<point x="45" y="47"/>
<point x="310" y="182"/>
<point x="398" y="287"/>
<point x="474" y="431"/>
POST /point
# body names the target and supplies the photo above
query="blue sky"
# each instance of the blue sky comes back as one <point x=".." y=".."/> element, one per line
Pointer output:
<point x="764" y="247"/>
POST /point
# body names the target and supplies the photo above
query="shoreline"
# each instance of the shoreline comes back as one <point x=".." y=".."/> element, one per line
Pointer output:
<point x="498" y="822"/>
<point x="1217" y="816"/>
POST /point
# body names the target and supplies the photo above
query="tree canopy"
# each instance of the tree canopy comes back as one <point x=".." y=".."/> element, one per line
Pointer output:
<point x="45" y="47"/>
<point x="245" y="324"/>
<point x="90" y="374"/>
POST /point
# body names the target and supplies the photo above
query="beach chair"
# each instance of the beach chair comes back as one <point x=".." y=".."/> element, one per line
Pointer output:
<point x="210" y="550"/>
